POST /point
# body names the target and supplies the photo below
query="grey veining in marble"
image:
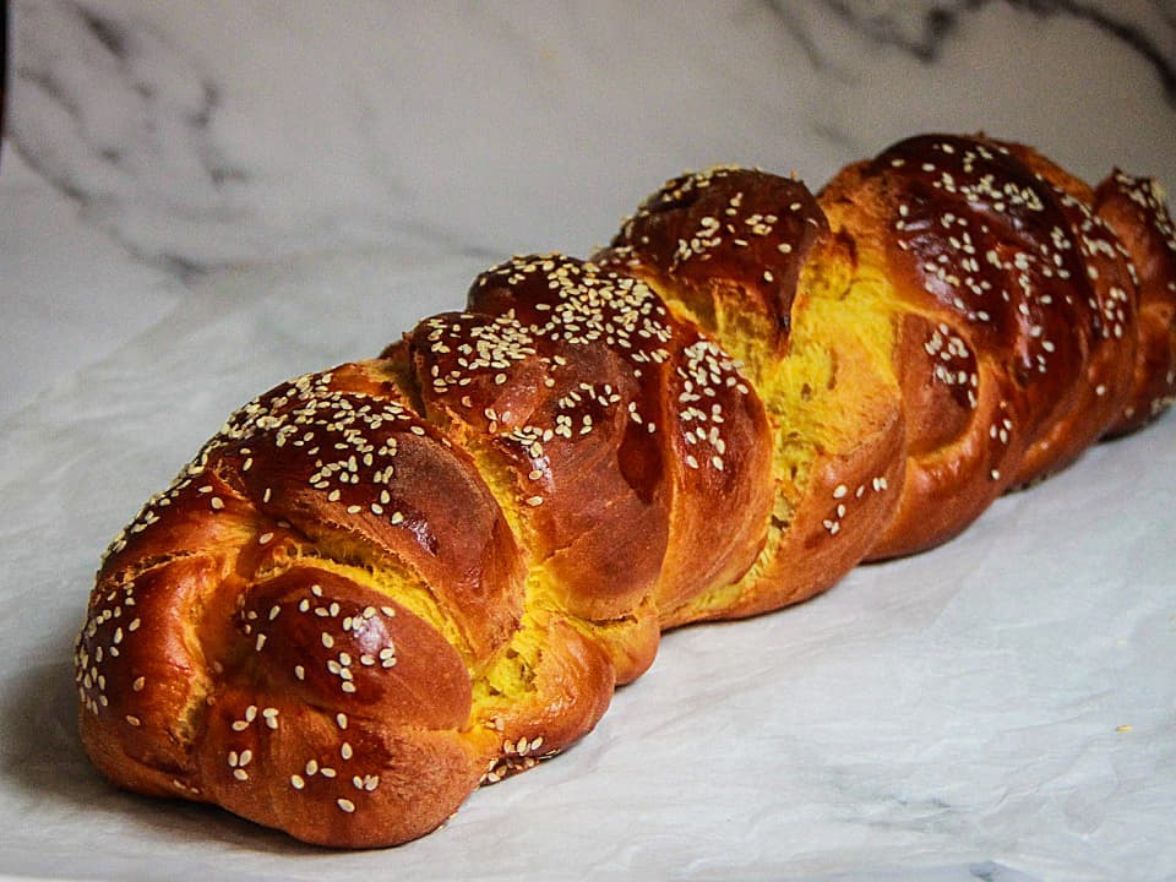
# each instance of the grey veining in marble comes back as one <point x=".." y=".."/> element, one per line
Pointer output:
<point x="241" y="133"/>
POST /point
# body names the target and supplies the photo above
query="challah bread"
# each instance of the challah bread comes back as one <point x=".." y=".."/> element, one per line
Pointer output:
<point x="383" y="584"/>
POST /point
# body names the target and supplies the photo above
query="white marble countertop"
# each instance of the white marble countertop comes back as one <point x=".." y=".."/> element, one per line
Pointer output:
<point x="162" y="160"/>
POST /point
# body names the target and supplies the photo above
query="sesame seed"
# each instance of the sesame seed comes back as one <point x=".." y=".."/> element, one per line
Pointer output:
<point x="264" y="538"/>
<point x="345" y="750"/>
<point x="346" y="804"/>
<point x="297" y="782"/>
<point x="134" y="721"/>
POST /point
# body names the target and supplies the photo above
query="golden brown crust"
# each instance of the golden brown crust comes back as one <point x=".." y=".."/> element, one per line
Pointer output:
<point x="1026" y="318"/>
<point x="599" y="410"/>
<point x="723" y="235"/>
<point x="1134" y="208"/>
<point x="381" y="585"/>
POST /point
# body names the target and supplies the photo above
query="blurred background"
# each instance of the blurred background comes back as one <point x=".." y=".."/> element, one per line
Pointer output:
<point x="150" y="145"/>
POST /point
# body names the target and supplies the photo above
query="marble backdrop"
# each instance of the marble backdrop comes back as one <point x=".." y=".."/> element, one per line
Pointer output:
<point x="165" y="162"/>
<point x="151" y="143"/>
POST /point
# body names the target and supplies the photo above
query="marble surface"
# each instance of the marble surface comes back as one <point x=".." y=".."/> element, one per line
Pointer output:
<point x="151" y="143"/>
<point x="167" y="163"/>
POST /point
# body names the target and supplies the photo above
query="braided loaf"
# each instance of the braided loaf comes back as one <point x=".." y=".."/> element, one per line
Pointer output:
<point x="381" y="585"/>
